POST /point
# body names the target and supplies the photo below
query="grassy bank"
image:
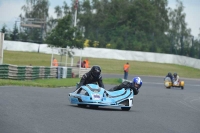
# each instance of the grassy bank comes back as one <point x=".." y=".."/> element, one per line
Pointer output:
<point x="107" y="65"/>
<point x="51" y="83"/>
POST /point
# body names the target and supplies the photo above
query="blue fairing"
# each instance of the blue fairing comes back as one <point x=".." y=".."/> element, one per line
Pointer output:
<point x="92" y="94"/>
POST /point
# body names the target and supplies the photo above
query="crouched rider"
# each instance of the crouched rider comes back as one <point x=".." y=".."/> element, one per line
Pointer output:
<point x="93" y="76"/>
<point x="134" y="85"/>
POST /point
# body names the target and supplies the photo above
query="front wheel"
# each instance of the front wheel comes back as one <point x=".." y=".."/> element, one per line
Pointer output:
<point x="125" y="108"/>
<point x="182" y="87"/>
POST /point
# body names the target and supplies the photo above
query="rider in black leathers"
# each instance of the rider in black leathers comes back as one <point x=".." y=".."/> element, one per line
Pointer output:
<point x="170" y="76"/>
<point x="134" y="85"/>
<point x="125" y="84"/>
<point x="93" y="76"/>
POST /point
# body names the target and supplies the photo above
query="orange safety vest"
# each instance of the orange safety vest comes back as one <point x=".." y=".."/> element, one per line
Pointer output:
<point x="126" y="67"/>
<point x="55" y="62"/>
<point x="86" y="64"/>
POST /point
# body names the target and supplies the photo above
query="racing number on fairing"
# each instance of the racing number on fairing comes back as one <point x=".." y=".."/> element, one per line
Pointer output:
<point x="96" y="96"/>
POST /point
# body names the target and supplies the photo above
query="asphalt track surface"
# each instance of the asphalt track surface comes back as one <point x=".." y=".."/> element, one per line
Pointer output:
<point x="155" y="110"/>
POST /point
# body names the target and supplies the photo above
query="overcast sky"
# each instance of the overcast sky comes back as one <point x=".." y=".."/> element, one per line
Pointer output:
<point x="9" y="15"/>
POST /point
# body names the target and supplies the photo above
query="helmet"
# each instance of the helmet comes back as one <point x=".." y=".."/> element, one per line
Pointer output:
<point x="96" y="71"/>
<point x="175" y="75"/>
<point x="137" y="81"/>
<point x="169" y="74"/>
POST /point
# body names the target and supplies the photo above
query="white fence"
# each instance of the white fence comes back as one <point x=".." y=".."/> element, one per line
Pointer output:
<point x="1" y="47"/>
<point x="109" y="54"/>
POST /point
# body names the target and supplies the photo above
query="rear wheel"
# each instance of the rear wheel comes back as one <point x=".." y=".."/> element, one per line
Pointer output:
<point x="94" y="106"/>
<point x="125" y="108"/>
<point x="82" y="105"/>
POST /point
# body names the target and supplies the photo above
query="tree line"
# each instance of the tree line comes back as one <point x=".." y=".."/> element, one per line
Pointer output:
<point x="136" y="25"/>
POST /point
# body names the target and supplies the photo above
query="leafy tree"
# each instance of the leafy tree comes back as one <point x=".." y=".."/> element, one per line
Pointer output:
<point x="66" y="8"/>
<point x="51" y="23"/>
<point x="37" y="10"/>
<point x="131" y="21"/>
<point x="24" y="36"/>
<point x="6" y="32"/>
<point x="15" y="33"/>
<point x="63" y="35"/>
<point x="3" y="29"/>
<point x="178" y="30"/>
<point x="135" y="25"/>
<point x="58" y="11"/>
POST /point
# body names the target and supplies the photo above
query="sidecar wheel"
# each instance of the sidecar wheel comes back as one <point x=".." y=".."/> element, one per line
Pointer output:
<point x="125" y="108"/>
<point x="182" y="87"/>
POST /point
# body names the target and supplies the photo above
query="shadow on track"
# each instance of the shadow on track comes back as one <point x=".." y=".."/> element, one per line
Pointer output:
<point x="105" y="108"/>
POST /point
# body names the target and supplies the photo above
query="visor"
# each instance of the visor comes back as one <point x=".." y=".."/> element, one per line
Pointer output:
<point x="96" y="73"/>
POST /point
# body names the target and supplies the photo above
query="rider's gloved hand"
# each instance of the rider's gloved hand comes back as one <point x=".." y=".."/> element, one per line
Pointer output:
<point x="135" y="90"/>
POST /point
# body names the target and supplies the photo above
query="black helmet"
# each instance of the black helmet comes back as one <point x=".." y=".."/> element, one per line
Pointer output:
<point x="169" y="74"/>
<point x="175" y="75"/>
<point x="96" y="71"/>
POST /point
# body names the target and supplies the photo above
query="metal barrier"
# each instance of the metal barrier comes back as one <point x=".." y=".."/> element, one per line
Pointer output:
<point x="8" y="71"/>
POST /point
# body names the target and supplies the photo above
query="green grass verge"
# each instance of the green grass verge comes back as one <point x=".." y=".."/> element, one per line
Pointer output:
<point x="51" y="83"/>
<point x="108" y="66"/>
